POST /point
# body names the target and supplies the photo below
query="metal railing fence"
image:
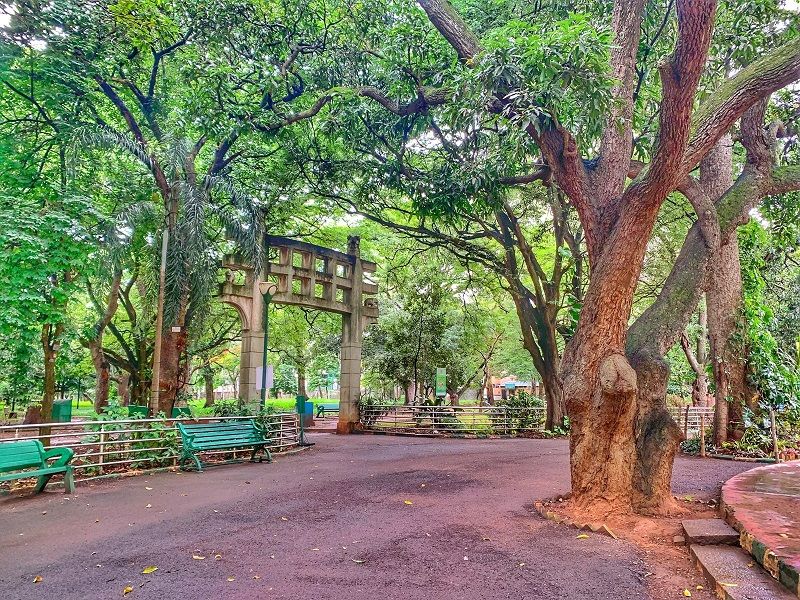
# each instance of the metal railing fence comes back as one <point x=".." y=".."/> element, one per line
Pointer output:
<point x="491" y="420"/>
<point x="452" y="420"/>
<point x="117" y="446"/>
<point x="691" y="418"/>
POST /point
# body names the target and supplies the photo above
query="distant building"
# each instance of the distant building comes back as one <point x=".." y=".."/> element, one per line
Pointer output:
<point x="502" y="386"/>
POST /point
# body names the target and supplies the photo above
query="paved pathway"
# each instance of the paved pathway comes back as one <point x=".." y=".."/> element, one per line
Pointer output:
<point x="330" y="523"/>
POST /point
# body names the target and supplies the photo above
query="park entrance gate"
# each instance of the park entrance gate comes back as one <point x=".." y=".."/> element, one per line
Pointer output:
<point x="311" y="277"/>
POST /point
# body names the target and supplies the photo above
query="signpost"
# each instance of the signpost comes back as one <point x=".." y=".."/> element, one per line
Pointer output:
<point x="260" y="377"/>
<point x="441" y="382"/>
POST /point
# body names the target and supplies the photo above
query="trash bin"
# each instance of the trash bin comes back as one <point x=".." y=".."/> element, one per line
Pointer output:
<point x="62" y="411"/>
<point x="305" y="408"/>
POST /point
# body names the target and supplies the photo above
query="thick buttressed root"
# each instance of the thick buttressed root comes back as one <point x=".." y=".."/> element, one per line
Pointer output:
<point x="657" y="437"/>
<point x="630" y="470"/>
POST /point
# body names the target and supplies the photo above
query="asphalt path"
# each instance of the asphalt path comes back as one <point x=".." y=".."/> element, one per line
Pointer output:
<point x="356" y="517"/>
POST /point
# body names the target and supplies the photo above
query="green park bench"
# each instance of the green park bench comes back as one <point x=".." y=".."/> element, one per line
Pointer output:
<point x="327" y="408"/>
<point x="27" y="454"/>
<point x="224" y="435"/>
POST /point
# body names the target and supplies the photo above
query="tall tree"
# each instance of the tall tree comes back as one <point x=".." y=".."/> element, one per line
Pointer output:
<point x="622" y="439"/>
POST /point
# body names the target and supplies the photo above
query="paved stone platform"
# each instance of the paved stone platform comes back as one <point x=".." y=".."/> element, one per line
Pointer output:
<point x="764" y="506"/>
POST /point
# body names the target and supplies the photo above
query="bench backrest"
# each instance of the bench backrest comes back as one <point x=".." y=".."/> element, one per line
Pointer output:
<point x="328" y="406"/>
<point x="233" y="432"/>
<point x="21" y="455"/>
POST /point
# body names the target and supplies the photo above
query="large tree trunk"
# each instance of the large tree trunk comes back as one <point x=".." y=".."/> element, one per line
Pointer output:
<point x="728" y="352"/>
<point x="173" y="345"/>
<point x="301" y="381"/>
<point x="102" y="372"/>
<point x="124" y="389"/>
<point x="51" y="339"/>
<point x="554" y="399"/>
<point x="698" y="360"/>
<point x="208" y="381"/>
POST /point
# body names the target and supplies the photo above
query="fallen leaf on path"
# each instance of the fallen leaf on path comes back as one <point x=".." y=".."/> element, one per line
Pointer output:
<point x="127" y="590"/>
<point x="581" y="536"/>
<point x="687" y="593"/>
<point x="256" y="576"/>
<point x="148" y="570"/>
<point x="198" y="557"/>
<point x="315" y="549"/>
<point x="409" y="502"/>
<point x="783" y="535"/>
<point x="149" y="506"/>
<point x="231" y="578"/>
<point x="700" y="587"/>
<point x="359" y="562"/>
<point x="37" y="579"/>
<point x="725" y="584"/>
<point x="521" y="565"/>
<point x="218" y="556"/>
<point x="147" y="488"/>
<point x="284" y="519"/>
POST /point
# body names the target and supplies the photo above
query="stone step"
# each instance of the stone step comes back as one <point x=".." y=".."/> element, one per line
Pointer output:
<point x="709" y="531"/>
<point x="734" y="575"/>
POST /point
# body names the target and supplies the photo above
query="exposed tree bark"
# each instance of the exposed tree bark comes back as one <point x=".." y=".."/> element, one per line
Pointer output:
<point x="208" y="381"/>
<point x="123" y="389"/>
<point x="51" y="341"/>
<point x="301" y="380"/>
<point x="729" y="354"/>
<point x="698" y="359"/>
<point x="94" y="342"/>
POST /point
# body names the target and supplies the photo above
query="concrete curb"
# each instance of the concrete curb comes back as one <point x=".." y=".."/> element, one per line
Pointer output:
<point x="773" y="563"/>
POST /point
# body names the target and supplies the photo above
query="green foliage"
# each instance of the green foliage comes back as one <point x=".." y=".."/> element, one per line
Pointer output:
<point x="227" y="408"/>
<point x="148" y="443"/>
<point x="773" y="368"/>
<point x="528" y="411"/>
<point x="560" y="73"/>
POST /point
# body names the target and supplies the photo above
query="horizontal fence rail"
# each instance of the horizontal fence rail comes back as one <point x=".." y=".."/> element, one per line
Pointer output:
<point x="452" y="420"/>
<point x="691" y="418"/>
<point x="117" y="446"/>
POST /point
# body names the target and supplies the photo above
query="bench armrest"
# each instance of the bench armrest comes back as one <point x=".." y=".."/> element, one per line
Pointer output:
<point x="189" y="437"/>
<point x="63" y="456"/>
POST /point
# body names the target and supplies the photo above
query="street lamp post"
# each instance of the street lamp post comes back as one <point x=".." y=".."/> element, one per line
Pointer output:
<point x="267" y="289"/>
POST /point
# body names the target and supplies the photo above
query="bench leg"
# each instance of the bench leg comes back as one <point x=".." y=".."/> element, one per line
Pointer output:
<point x="197" y="463"/>
<point x="41" y="481"/>
<point x="258" y="449"/>
<point x="186" y="457"/>
<point x="69" y="481"/>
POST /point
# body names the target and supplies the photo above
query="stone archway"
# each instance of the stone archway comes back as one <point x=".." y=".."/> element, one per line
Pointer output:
<point x="312" y="277"/>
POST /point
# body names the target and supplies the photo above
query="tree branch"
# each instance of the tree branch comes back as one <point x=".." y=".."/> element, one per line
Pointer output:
<point x="759" y="79"/>
<point x="452" y="27"/>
